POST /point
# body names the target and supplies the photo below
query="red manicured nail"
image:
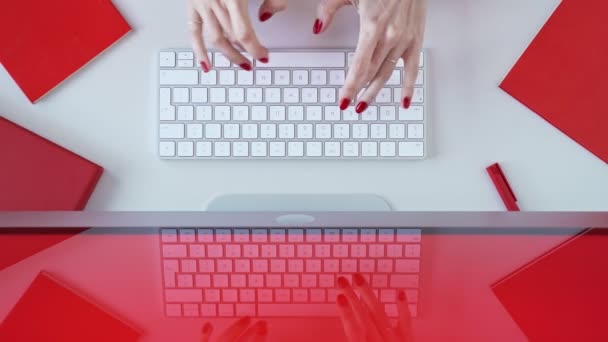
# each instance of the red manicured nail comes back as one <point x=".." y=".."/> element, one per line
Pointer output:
<point x="344" y="103"/>
<point x="401" y="296"/>
<point x="341" y="299"/>
<point x="342" y="282"/>
<point x="264" y="59"/>
<point x="245" y="66"/>
<point x="358" y="279"/>
<point x="207" y="328"/>
<point x="262" y="328"/>
<point x="317" y="27"/>
<point x="265" y="16"/>
<point x="361" y="107"/>
<point x="205" y="66"/>
<point x="406" y="102"/>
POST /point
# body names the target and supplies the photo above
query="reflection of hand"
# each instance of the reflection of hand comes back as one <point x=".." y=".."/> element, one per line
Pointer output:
<point x="364" y="319"/>
<point x="241" y="331"/>
<point x="227" y="24"/>
<point x="388" y="30"/>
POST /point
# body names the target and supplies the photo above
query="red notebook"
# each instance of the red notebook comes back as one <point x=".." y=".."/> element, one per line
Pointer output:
<point x="50" y="311"/>
<point x="563" y="295"/>
<point x="45" y="42"/>
<point x="39" y="175"/>
<point x="562" y="76"/>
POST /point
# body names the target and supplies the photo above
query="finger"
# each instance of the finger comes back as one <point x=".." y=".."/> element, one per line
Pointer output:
<point x="352" y="329"/>
<point x="223" y="17"/>
<point x="404" y="322"/>
<point x="243" y="30"/>
<point x="390" y="40"/>
<point x="235" y="330"/>
<point x="377" y="83"/>
<point x="359" y="310"/>
<point x="198" y="44"/>
<point x="411" y="57"/>
<point x="212" y="26"/>
<point x="256" y="332"/>
<point x="325" y="14"/>
<point x="270" y="7"/>
<point x="206" y="332"/>
<point x="374" y="306"/>
<point x="357" y="74"/>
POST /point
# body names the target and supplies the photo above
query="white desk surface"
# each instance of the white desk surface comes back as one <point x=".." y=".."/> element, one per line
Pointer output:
<point x="107" y="113"/>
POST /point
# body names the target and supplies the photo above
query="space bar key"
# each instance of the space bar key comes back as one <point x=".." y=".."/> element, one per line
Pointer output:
<point x="299" y="310"/>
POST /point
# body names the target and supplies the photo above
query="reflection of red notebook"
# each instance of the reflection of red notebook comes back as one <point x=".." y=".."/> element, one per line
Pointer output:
<point x="39" y="175"/>
<point x="44" y="42"/>
<point x="50" y="311"/>
<point x="562" y="76"/>
<point x="563" y="295"/>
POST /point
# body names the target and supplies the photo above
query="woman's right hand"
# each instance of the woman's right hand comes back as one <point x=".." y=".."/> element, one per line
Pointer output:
<point x="364" y="319"/>
<point x="227" y="24"/>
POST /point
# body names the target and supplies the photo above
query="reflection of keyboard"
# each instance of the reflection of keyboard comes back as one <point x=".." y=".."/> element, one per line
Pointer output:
<point x="279" y="272"/>
<point x="287" y="108"/>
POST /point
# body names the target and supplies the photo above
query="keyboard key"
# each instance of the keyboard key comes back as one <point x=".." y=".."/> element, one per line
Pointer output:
<point x="385" y="265"/>
<point x="224" y="265"/>
<point x="313" y="235"/>
<point x="387" y="149"/>
<point x="268" y="131"/>
<point x="415" y="131"/>
<point x="327" y="95"/>
<point x="313" y="266"/>
<point x="378" y="131"/>
<point x="269" y="251"/>
<point x="314" y="149"/>
<point x="300" y="295"/>
<point x="202" y="280"/>
<point x="337" y="77"/>
<point x="209" y="78"/>
<point x="183" y="295"/>
<point x="387" y="113"/>
<point x="309" y="280"/>
<point x="407" y="265"/>
<point x="243" y="310"/>
<point x="376" y="250"/>
<point x="331" y="235"/>
<point x="260" y="266"/>
<point x="277" y="235"/>
<point x="277" y="113"/>
<point x="314" y="113"/>
<point x="272" y="95"/>
<point x="199" y="95"/>
<point x="295" y="265"/>
<point x="369" y="149"/>
<point x="244" y="77"/>
<point x="291" y="95"/>
<point x="304" y="131"/>
<point x="358" y="251"/>
<point x="236" y="95"/>
<point x="212" y="295"/>
<point x="250" y="251"/>
<point x="220" y="280"/>
<point x="282" y="77"/>
<point x="171" y="131"/>
<point x="412" y="251"/>
<point x="340" y="250"/>
<point x="409" y="235"/>
<point x="350" y="115"/>
<point x="191" y="310"/>
<point x="203" y="149"/>
<point x="227" y="77"/>
<point x="404" y="280"/>
<point x="418" y="96"/>
<point x="247" y="295"/>
<point x="168" y="235"/>
<point x="206" y="266"/>
<point x="254" y="95"/>
<point x="298" y="310"/>
<point x="304" y="251"/>
<point x="282" y="295"/>
<point x="242" y="265"/>
<point x="368" y="235"/>
<point x="394" y="251"/>
<point x="379" y="280"/>
<point x="229" y="295"/>
<point x="286" y="131"/>
<point x="349" y="265"/>
<point x="238" y="280"/>
<point x="263" y="77"/>
<point x="188" y="265"/>
<point x="178" y="77"/>
<point x="259" y="235"/>
<point x="366" y="266"/>
<point x="414" y="113"/>
<point x="220" y="61"/>
<point x="384" y="96"/>
<point x="208" y="310"/>
<point x="300" y="77"/>
<point x="331" y="266"/>
<point x="327" y="280"/>
<point x="277" y="266"/>
<point x="215" y="251"/>
<point x="225" y="310"/>
<point x="323" y="131"/>
<point x="217" y="95"/>
<point x="167" y="59"/>
<point x="174" y="251"/>
<point x="332" y="113"/>
<point x="173" y="310"/>
<point x="286" y="251"/>
<point x="185" y="149"/>
<point x="295" y="113"/>
<point x="194" y="131"/>
<point x="306" y="59"/>
<point x="350" y="235"/>
<point x="203" y="113"/>
<point x="291" y="280"/>
<point x="273" y="280"/>
<point x="332" y="149"/>
<point x="264" y="296"/>
<point x="255" y="280"/>
<point x="318" y="77"/>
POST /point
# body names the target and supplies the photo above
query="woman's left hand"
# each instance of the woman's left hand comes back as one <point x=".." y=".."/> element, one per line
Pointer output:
<point x="389" y="30"/>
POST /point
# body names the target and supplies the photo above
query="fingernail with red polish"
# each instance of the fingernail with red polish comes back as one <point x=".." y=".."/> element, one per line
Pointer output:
<point x="342" y="282"/>
<point x="245" y="66"/>
<point x="406" y="102"/>
<point x="205" y="66"/>
<point x="401" y="296"/>
<point x="264" y="59"/>
<point x="317" y="27"/>
<point x="265" y="16"/>
<point x="262" y="328"/>
<point x="341" y="299"/>
<point x="344" y="103"/>
<point x="207" y="328"/>
<point x="358" y="279"/>
<point x="361" y="107"/>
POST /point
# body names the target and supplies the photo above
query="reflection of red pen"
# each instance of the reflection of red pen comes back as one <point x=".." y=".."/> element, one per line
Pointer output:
<point x="503" y="187"/>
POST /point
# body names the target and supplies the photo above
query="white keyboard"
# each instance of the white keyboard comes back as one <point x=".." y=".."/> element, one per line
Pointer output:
<point x="285" y="109"/>
<point x="284" y="272"/>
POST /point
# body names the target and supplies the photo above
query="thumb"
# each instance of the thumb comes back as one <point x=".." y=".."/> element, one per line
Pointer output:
<point x="270" y="7"/>
<point x="325" y="14"/>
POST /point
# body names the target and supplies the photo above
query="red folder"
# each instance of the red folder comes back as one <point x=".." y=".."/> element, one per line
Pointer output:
<point x="563" y="295"/>
<point x="562" y="76"/>
<point x="50" y="311"/>
<point x="44" y="42"/>
<point x="39" y="175"/>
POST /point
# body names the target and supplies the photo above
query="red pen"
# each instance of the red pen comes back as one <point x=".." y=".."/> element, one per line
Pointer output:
<point x="503" y="187"/>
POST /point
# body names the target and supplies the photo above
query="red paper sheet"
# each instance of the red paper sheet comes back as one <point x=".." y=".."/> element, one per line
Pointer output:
<point x="51" y="311"/>
<point x="562" y="76"/>
<point x="44" y="42"/>
<point x="37" y="174"/>
<point x="563" y="295"/>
